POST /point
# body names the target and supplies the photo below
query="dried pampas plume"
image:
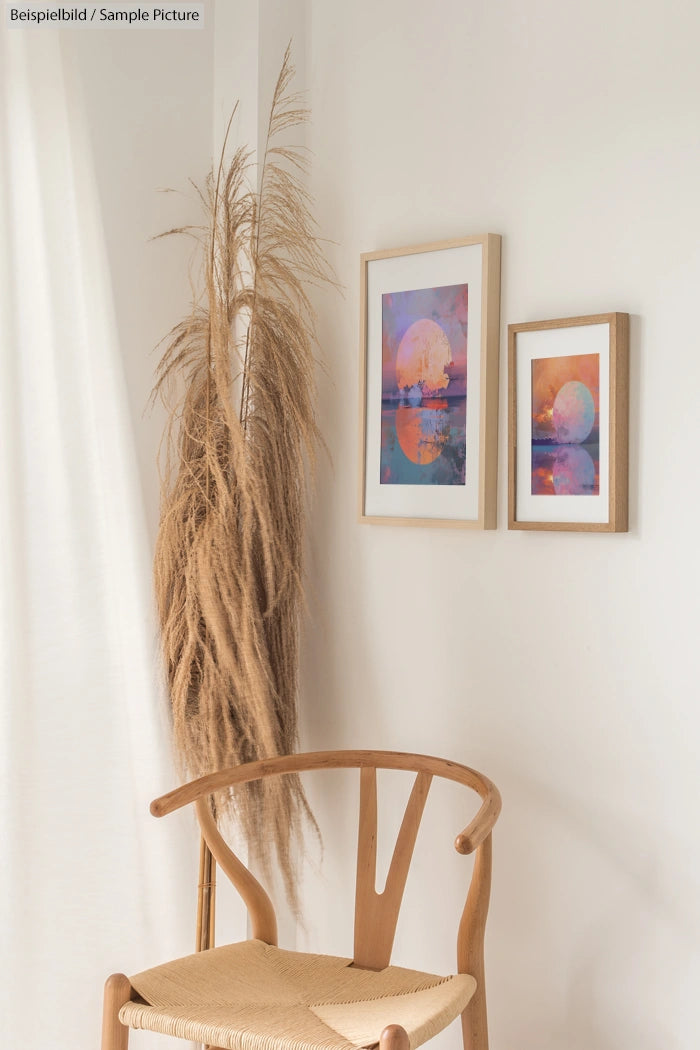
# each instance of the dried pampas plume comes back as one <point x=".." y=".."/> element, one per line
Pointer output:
<point x="240" y="446"/>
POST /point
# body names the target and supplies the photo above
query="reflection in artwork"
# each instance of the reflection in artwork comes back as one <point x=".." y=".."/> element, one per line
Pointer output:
<point x="566" y="426"/>
<point x="424" y="386"/>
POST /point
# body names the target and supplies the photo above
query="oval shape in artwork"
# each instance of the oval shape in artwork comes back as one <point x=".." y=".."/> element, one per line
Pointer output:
<point x="573" y="413"/>
<point x="423" y="430"/>
<point x="423" y="353"/>
<point x="573" y="472"/>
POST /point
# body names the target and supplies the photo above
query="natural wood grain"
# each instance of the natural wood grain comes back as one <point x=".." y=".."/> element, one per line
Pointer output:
<point x="376" y="914"/>
<point x="470" y="948"/>
<point x="618" y="424"/>
<point x="206" y="899"/>
<point x="260" y="909"/>
<point x="115" y="1035"/>
<point x="481" y="826"/>
<point x="206" y="903"/>
<point x="362" y="425"/>
<point x="488" y="395"/>
<point x="512" y="428"/>
<point x="472" y="834"/>
<point x="490" y="347"/>
<point x="394" y="1037"/>
<point x="430" y="246"/>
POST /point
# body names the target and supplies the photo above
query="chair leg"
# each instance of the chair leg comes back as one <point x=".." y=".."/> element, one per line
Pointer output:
<point x="475" y="1033"/>
<point x="115" y="1035"/>
<point x="394" y="1037"/>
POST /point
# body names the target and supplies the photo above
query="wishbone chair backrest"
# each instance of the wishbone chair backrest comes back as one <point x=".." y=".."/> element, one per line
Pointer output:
<point x="376" y="914"/>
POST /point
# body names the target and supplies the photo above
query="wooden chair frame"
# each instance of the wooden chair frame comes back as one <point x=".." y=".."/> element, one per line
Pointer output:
<point x="376" y="914"/>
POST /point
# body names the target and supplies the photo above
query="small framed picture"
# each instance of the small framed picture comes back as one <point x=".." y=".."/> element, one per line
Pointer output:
<point x="429" y="384"/>
<point x="568" y="422"/>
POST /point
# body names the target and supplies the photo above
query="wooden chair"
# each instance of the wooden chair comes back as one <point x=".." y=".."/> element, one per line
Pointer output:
<point x="255" y="996"/>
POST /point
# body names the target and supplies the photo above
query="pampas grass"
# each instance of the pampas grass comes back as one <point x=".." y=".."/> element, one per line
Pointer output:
<point x="241" y="444"/>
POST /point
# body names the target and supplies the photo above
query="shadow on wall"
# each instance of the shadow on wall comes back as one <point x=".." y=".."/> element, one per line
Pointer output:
<point x="600" y="878"/>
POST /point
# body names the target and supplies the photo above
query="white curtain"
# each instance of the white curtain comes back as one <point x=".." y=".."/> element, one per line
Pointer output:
<point x="90" y="883"/>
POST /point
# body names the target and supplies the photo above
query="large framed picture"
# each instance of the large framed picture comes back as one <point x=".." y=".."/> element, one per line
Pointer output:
<point x="568" y="422"/>
<point x="429" y="384"/>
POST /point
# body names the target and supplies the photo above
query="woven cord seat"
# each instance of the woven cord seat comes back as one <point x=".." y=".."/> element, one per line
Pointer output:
<point x="256" y="996"/>
<point x="253" y="996"/>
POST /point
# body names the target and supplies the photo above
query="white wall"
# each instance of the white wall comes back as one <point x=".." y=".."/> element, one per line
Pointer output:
<point x="565" y="666"/>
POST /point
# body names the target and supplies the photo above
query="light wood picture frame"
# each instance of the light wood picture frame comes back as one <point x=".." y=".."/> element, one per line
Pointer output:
<point x="429" y="324"/>
<point x="568" y="395"/>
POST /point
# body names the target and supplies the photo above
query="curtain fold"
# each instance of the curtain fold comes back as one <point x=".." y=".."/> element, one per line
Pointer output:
<point x="90" y="883"/>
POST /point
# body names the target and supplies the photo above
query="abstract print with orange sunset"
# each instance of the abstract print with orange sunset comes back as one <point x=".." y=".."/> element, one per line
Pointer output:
<point x="424" y="386"/>
<point x="566" y="426"/>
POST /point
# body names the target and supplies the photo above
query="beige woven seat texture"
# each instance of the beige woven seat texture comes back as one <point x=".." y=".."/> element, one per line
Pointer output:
<point x="252" y="996"/>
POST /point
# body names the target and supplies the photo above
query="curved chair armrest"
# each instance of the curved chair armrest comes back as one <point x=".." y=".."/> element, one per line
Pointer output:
<point x="194" y="790"/>
<point x="470" y="838"/>
<point x="480" y="827"/>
